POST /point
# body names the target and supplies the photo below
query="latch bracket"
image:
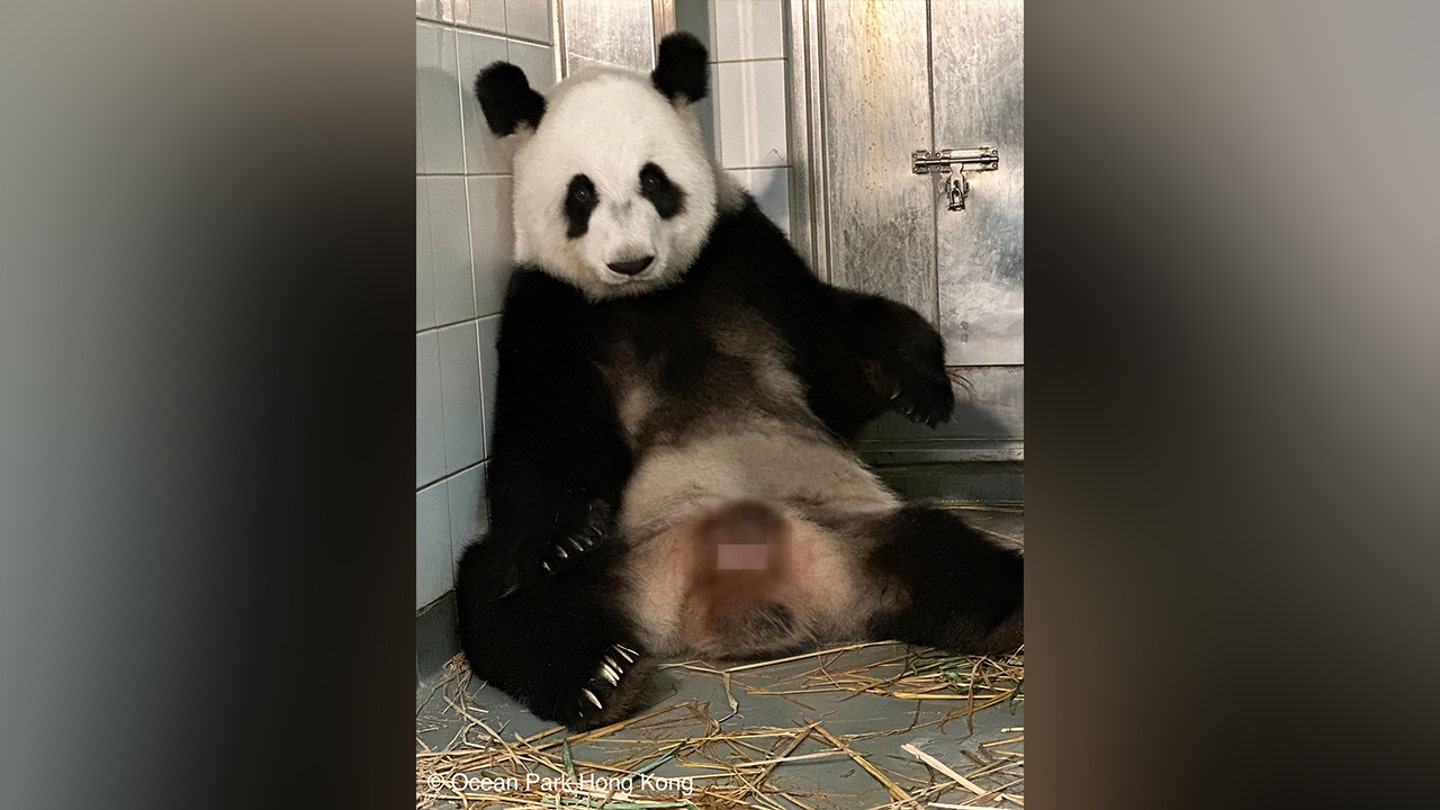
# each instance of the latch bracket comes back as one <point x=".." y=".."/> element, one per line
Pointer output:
<point x="945" y="162"/>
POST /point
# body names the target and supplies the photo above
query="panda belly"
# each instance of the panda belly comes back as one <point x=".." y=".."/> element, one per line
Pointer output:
<point x="741" y="544"/>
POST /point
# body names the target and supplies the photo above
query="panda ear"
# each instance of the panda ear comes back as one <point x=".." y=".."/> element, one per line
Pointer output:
<point x="507" y="98"/>
<point x="681" y="69"/>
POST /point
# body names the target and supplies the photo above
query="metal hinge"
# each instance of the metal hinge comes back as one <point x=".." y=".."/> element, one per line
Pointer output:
<point x="969" y="159"/>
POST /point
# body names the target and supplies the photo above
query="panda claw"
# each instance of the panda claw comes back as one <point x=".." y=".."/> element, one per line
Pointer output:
<point x="591" y="697"/>
<point x="576" y="544"/>
<point x="563" y="554"/>
<point x="546" y="566"/>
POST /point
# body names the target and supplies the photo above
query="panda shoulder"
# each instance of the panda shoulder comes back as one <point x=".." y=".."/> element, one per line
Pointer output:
<point x="542" y="313"/>
<point x="749" y="239"/>
<point x="531" y="290"/>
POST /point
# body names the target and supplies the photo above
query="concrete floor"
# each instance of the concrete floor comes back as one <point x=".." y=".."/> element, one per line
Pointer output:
<point x="873" y="726"/>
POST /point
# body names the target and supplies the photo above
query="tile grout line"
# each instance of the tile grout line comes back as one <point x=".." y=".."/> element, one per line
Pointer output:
<point x="470" y="29"/>
<point x="748" y="60"/>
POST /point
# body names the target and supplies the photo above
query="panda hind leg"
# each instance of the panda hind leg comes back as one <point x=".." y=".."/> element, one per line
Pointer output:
<point x="944" y="584"/>
<point x="561" y="646"/>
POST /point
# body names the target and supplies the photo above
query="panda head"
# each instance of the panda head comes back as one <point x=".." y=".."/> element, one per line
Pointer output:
<point x="614" y="190"/>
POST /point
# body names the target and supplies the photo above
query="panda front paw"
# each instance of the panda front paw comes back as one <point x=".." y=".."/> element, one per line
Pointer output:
<point x="926" y="398"/>
<point x="922" y="393"/>
<point x="615" y="688"/>
<point x="565" y="552"/>
<point x="902" y="361"/>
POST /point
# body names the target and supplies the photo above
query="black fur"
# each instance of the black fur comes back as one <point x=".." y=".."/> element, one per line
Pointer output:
<point x="538" y="625"/>
<point x="580" y="201"/>
<point x="656" y="186"/>
<point x="507" y="99"/>
<point x="557" y="463"/>
<point x="681" y="69"/>
<point x="954" y="589"/>
<point x="549" y="644"/>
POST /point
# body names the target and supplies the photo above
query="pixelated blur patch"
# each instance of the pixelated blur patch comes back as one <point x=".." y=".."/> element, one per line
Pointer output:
<point x="742" y="556"/>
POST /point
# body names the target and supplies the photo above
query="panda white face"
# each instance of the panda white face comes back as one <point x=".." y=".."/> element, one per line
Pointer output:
<point x="614" y="190"/>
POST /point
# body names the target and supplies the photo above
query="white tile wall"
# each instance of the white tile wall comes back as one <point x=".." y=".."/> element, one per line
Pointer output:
<point x="419" y="120"/>
<point x="537" y="62"/>
<point x="429" y="415"/>
<point x="469" y="514"/>
<point x="745" y="116"/>
<point x="450" y="250"/>
<point x="464" y="238"/>
<point x="434" y="560"/>
<point x="771" y="190"/>
<point x="488" y="15"/>
<point x="492" y="239"/>
<point x="489" y="361"/>
<point x="460" y="396"/>
<point x="424" y="269"/>
<point x="747" y="29"/>
<point x="438" y="86"/>
<point x="484" y="153"/>
<point x="528" y="19"/>
<point x="751" y="106"/>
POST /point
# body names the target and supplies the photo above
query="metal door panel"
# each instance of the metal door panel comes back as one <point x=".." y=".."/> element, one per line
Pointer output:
<point x="978" y="48"/>
<point x="876" y="112"/>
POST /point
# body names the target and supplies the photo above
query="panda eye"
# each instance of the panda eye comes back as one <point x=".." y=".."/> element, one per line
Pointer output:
<point x="667" y="197"/>
<point x="580" y="200"/>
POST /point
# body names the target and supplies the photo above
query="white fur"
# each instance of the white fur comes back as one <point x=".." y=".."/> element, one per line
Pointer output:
<point x="607" y="124"/>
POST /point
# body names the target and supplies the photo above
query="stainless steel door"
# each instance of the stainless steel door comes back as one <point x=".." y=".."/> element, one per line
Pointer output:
<point x="978" y="92"/>
<point x="872" y="82"/>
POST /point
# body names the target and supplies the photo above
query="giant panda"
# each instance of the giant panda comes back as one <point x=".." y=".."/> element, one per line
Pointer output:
<point x="669" y="471"/>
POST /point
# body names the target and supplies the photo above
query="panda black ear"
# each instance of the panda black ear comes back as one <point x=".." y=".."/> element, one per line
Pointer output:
<point x="681" y="68"/>
<point x="507" y="98"/>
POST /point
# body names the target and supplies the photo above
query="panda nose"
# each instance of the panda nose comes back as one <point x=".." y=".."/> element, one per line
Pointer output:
<point x="631" y="267"/>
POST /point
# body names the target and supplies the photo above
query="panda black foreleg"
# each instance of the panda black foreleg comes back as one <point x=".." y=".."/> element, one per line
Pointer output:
<point x="561" y="646"/>
<point x="944" y="584"/>
<point x="558" y="462"/>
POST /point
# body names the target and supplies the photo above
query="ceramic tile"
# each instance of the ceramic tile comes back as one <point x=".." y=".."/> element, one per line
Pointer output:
<point x="450" y="250"/>
<point x="484" y="152"/>
<point x="748" y="29"/>
<point x="528" y="19"/>
<point x="460" y="392"/>
<point x="429" y="412"/>
<point x="492" y="239"/>
<point x="433" y="559"/>
<point x="751" y="110"/>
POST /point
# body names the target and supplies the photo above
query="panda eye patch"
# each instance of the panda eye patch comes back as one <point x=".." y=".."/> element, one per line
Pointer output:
<point x="580" y="201"/>
<point x="655" y="185"/>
